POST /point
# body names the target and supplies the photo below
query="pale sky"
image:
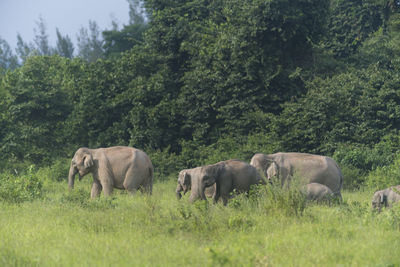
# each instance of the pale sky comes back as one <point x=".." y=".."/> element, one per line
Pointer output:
<point x="20" y="16"/>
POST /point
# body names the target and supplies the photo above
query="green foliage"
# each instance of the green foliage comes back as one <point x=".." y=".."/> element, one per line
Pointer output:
<point x="116" y="42"/>
<point x="205" y="82"/>
<point x="243" y="61"/>
<point x="385" y="176"/>
<point x="390" y="218"/>
<point x="272" y="198"/>
<point x="356" y="107"/>
<point x="353" y="178"/>
<point x="34" y="110"/>
<point x="166" y="164"/>
<point x="20" y="188"/>
<point x="366" y="158"/>
<point x="350" y="23"/>
<point x="58" y="171"/>
<point x="208" y="81"/>
<point x="7" y="59"/>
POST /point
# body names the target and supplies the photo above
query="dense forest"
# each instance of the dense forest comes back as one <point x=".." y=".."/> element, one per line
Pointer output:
<point x="198" y="81"/>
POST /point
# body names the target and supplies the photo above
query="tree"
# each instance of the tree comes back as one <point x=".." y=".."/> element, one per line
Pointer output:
<point x="234" y="60"/>
<point x="350" y="23"/>
<point x="90" y="46"/>
<point x="65" y="47"/>
<point x="137" y="12"/>
<point x="34" y="109"/>
<point x="41" y="38"/>
<point x="116" y="42"/>
<point x="7" y="59"/>
<point x="23" y="49"/>
<point x="356" y="107"/>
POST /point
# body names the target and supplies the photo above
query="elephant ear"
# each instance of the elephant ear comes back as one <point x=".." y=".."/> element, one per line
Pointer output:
<point x="272" y="170"/>
<point x="88" y="161"/>
<point x="211" y="174"/>
<point x="186" y="179"/>
<point x="383" y="198"/>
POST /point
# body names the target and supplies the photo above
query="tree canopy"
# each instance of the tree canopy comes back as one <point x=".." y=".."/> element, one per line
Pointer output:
<point x="301" y="75"/>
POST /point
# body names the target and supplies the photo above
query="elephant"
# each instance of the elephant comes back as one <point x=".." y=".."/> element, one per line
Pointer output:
<point x="386" y="197"/>
<point x="184" y="183"/>
<point x="223" y="178"/>
<point x="118" y="167"/>
<point x="317" y="192"/>
<point x="308" y="167"/>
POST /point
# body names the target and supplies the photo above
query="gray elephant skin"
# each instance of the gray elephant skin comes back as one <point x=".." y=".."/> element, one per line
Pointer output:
<point x="308" y="167"/>
<point x="219" y="179"/>
<point x="185" y="181"/>
<point x="118" y="167"/>
<point x="386" y="197"/>
<point x="317" y="192"/>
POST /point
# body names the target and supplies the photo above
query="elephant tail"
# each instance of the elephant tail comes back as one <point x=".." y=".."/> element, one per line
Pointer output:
<point x="151" y="177"/>
<point x="337" y="193"/>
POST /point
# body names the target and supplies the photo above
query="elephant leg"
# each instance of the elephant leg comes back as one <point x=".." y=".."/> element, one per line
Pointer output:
<point x="226" y="189"/>
<point x="96" y="189"/>
<point x="224" y="199"/>
<point x="146" y="187"/>
<point x="107" y="189"/>
<point x="131" y="185"/>
<point x="217" y="192"/>
<point x="133" y="180"/>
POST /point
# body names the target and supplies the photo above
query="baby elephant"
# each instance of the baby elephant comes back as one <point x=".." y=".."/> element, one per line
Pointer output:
<point x="317" y="192"/>
<point x="386" y="197"/>
<point x="221" y="179"/>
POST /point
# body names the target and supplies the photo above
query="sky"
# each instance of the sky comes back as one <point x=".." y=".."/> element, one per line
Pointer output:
<point x="20" y="16"/>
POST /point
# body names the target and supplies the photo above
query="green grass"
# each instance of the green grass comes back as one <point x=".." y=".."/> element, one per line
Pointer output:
<point x="69" y="229"/>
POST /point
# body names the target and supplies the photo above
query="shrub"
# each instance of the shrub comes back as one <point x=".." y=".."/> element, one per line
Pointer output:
<point x="353" y="177"/>
<point x="56" y="172"/>
<point x="357" y="160"/>
<point x="20" y="188"/>
<point x="274" y="198"/>
<point x="385" y="176"/>
<point x="165" y="164"/>
<point x="363" y="157"/>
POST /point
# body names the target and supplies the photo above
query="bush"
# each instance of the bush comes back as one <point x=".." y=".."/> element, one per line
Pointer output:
<point x="357" y="160"/>
<point x="56" y="172"/>
<point x="165" y="164"/>
<point x="385" y="176"/>
<point x="20" y="188"/>
<point x="274" y="198"/>
<point x="366" y="158"/>
<point x="353" y="178"/>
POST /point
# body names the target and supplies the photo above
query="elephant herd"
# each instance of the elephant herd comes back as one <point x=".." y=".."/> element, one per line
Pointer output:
<point x="121" y="167"/>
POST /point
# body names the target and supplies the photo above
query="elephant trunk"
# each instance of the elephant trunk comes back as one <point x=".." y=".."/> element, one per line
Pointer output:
<point x="178" y="191"/>
<point x="71" y="177"/>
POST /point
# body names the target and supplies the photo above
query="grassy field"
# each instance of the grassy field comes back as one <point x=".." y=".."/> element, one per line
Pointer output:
<point x="68" y="229"/>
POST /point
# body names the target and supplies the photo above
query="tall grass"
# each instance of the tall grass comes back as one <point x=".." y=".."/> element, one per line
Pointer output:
<point x="268" y="227"/>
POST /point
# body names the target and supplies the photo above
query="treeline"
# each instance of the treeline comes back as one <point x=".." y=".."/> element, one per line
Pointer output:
<point x="211" y="79"/>
<point x="92" y="43"/>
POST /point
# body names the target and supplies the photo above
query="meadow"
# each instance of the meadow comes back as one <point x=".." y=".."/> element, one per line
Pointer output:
<point x="270" y="227"/>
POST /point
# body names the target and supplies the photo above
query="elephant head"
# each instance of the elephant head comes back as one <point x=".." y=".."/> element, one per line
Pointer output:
<point x="206" y="177"/>
<point x="379" y="200"/>
<point x="184" y="183"/>
<point x="272" y="170"/>
<point x="81" y="163"/>
<point x="197" y="180"/>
